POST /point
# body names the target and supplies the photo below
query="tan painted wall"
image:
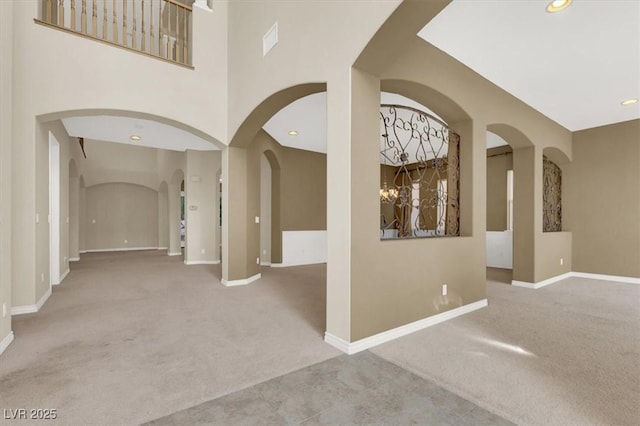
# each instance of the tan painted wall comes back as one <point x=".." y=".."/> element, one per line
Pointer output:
<point x="6" y="99"/>
<point x="304" y="190"/>
<point x="397" y="282"/>
<point x="498" y="163"/>
<point x="121" y="211"/>
<point x="303" y="35"/>
<point x="199" y="101"/>
<point x="601" y="199"/>
<point x="202" y="192"/>
<point x="116" y="162"/>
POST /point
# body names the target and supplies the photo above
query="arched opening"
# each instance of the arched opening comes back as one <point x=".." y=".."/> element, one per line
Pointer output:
<point x="82" y="216"/>
<point x="163" y="216"/>
<point x="176" y="218"/>
<point x="509" y="157"/>
<point x="270" y="229"/>
<point x="74" y="212"/>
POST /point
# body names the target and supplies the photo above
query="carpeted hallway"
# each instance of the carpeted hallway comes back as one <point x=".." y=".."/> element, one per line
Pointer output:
<point x="135" y="337"/>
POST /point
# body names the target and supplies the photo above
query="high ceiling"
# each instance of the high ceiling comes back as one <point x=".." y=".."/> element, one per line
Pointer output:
<point x="152" y="134"/>
<point x="575" y="66"/>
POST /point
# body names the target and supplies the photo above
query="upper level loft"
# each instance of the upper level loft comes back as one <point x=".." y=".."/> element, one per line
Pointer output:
<point x="157" y="28"/>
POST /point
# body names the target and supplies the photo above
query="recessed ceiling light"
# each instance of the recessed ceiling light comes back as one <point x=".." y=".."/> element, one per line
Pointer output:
<point x="558" y="5"/>
<point x="293" y="132"/>
<point x="630" y="102"/>
<point x="135" y="138"/>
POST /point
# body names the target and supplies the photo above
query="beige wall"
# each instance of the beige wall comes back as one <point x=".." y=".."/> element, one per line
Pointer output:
<point x="303" y="35"/>
<point x="304" y="190"/>
<point x="6" y="99"/>
<point x="601" y="199"/>
<point x="116" y="162"/>
<point x="202" y="192"/>
<point x="120" y="211"/>
<point x="499" y="161"/>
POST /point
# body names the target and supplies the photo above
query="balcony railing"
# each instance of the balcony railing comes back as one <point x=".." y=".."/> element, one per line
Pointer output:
<point x="159" y="28"/>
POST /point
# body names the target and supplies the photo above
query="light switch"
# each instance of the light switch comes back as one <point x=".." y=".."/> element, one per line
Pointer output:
<point x="257" y="219"/>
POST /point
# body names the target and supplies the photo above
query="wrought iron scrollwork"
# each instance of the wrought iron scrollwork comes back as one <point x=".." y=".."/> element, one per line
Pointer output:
<point x="551" y="196"/>
<point x="420" y="175"/>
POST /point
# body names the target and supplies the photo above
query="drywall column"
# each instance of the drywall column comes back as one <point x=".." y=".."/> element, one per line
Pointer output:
<point x="173" y="200"/>
<point x="338" y="206"/>
<point x="527" y="211"/>
<point x="238" y="219"/>
<point x="6" y="126"/>
<point x="200" y="206"/>
<point x="163" y="220"/>
<point x="74" y="216"/>
<point x="82" y="217"/>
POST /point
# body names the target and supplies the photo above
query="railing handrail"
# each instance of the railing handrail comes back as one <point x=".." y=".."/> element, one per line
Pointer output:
<point x="156" y="28"/>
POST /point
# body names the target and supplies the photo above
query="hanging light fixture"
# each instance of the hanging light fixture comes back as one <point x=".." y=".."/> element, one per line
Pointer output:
<point x="388" y="195"/>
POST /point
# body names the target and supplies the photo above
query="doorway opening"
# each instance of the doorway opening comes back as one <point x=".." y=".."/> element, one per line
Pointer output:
<point x="54" y="210"/>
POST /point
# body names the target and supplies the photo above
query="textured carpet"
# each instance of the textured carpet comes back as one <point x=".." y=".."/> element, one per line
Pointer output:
<point x="129" y="337"/>
<point x="565" y="354"/>
<point x="358" y="389"/>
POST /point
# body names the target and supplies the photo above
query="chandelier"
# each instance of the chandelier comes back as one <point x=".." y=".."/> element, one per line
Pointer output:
<point x="388" y="195"/>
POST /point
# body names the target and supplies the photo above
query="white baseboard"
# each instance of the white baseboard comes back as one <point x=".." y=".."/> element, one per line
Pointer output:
<point x="175" y="254"/>
<point x="543" y="283"/>
<point x="82" y="251"/>
<point x="30" y="309"/>
<point x="120" y="249"/>
<point x="163" y="248"/>
<point x="74" y="259"/>
<point x="201" y="262"/>
<point x="386" y="336"/>
<point x="287" y="265"/>
<point x="4" y="343"/>
<point x="62" y="277"/>
<point x="617" y="278"/>
<point x="246" y="281"/>
<point x="265" y="263"/>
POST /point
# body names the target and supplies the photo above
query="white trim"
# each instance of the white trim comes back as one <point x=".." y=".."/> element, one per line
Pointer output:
<point x="74" y="259"/>
<point x="62" y="277"/>
<point x="246" y="281"/>
<point x="179" y="253"/>
<point x="4" y="344"/>
<point x="201" y="262"/>
<point x="202" y="4"/>
<point x="163" y="248"/>
<point x="618" y="278"/>
<point x="386" y="336"/>
<point x="30" y="309"/>
<point x="287" y="265"/>
<point x="82" y="251"/>
<point x="265" y="263"/>
<point x="543" y="283"/>
<point x="121" y="249"/>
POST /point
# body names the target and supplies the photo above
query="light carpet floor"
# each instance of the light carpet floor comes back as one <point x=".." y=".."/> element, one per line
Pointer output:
<point x="565" y="354"/>
<point x="130" y="337"/>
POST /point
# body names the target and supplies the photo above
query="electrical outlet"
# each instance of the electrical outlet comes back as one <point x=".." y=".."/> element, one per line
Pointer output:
<point x="444" y="289"/>
<point x="561" y="261"/>
<point x="257" y="219"/>
<point x="257" y="260"/>
<point x="126" y="241"/>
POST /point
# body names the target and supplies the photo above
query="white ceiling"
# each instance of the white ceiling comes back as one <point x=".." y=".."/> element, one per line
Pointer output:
<point x="308" y="116"/>
<point x="119" y="129"/>
<point x="574" y="66"/>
